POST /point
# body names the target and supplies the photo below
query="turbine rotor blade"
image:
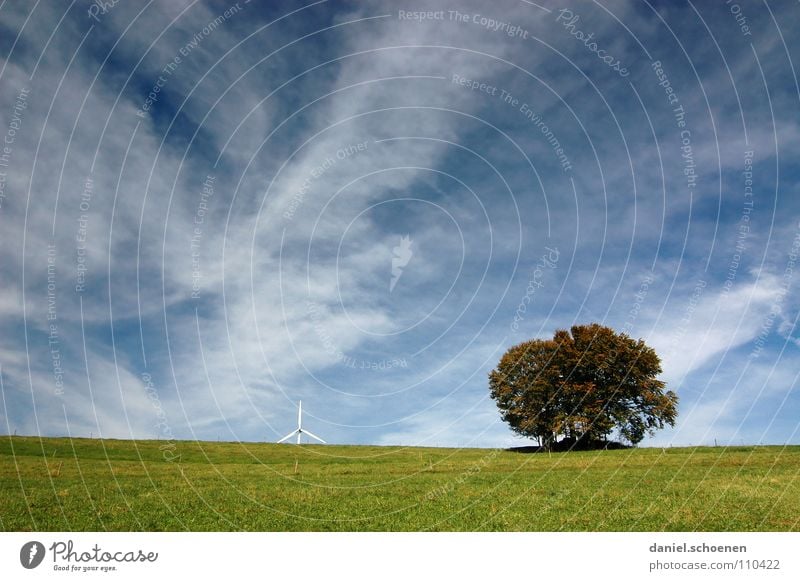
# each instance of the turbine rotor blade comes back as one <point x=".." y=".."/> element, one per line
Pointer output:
<point x="300" y="415"/>
<point x="286" y="437"/>
<point x="307" y="433"/>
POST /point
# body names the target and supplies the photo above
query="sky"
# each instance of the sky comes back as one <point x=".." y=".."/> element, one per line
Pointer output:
<point x="210" y="211"/>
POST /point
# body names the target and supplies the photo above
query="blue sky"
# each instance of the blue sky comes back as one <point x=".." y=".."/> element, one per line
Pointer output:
<point x="204" y="206"/>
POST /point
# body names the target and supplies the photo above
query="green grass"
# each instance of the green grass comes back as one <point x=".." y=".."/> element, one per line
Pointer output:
<point x="60" y="484"/>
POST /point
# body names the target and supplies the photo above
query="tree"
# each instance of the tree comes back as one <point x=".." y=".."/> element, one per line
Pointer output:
<point x="581" y="386"/>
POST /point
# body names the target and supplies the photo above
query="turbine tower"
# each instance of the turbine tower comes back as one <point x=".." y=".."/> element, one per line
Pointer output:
<point x="300" y="431"/>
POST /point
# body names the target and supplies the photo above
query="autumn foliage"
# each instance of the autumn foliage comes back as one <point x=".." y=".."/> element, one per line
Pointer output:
<point x="581" y="387"/>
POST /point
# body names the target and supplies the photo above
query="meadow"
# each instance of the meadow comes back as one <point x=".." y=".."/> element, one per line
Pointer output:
<point x="60" y="484"/>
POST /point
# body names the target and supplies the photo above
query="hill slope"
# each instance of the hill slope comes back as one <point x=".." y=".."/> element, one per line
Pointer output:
<point x="80" y="484"/>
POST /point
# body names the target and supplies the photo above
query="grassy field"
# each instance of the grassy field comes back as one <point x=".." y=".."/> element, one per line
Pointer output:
<point x="60" y="484"/>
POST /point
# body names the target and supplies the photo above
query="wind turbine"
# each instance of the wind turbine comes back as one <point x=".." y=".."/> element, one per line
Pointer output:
<point x="300" y="431"/>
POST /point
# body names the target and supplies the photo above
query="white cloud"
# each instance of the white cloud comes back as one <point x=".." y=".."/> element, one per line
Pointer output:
<point x="261" y="350"/>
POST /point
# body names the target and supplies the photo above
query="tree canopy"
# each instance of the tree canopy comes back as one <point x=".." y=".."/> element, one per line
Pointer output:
<point x="581" y="386"/>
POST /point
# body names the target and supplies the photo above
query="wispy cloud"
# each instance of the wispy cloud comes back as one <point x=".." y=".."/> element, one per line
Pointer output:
<point x="220" y="192"/>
